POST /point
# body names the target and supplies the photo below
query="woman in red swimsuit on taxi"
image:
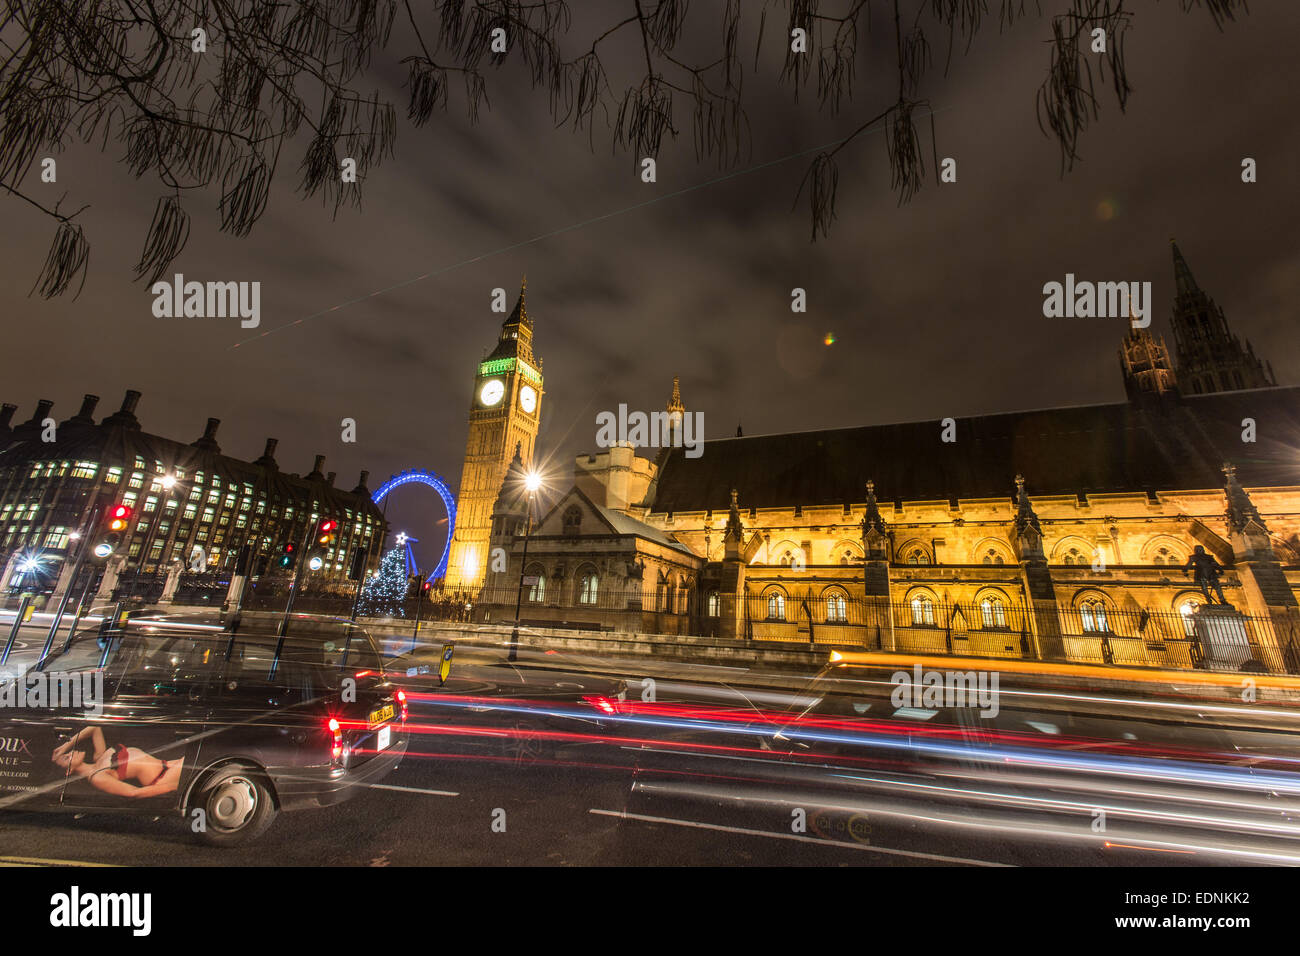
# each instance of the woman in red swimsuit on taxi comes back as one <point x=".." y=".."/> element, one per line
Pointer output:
<point x="113" y="769"/>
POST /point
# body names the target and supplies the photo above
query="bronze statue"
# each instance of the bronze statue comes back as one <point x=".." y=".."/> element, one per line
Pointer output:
<point x="1207" y="571"/>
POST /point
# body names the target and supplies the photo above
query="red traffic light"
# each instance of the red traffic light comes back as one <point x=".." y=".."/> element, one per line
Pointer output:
<point x="290" y="548"/>
<point x="326" y="534"/>
<point x="118" y="516"/>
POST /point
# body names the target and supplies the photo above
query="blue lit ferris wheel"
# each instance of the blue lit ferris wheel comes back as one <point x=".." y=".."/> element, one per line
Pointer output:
<point x="434" y="481"/>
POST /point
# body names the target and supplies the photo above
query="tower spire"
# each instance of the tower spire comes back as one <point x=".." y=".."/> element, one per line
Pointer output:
<point x="1210" y="358"/>
<point x="1186" y="284"/>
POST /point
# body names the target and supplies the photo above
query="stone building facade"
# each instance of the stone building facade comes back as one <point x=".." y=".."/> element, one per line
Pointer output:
<point x="1050" y="532"/>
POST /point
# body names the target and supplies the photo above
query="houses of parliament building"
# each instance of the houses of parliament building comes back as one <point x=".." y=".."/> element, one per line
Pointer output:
<point x="1054" y="533"/>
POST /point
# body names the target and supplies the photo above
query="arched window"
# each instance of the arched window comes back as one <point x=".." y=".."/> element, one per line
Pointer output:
<point x="775" y="606"/>
<point x="573" y="520"/>
<point x="537" y="590"/>
<point x="787" y="559"/>
<point x="588" y="588"/>
<point x="917" y="556"/>
<point x="846" y="557"/>
<point x="715" y="605"/>
<point x="1092" y="614"/>
<point x="837" y="608"/>
<point x="922" y="610"/>
<point x="993" y="610"/>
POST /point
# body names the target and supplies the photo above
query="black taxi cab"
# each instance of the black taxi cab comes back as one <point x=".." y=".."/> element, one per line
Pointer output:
<point x="226" y="728"/>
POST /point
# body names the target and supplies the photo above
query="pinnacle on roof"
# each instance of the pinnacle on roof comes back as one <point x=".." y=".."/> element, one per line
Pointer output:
<point x="1241" y="512"/>
<point x="1182" y="274"/>
<point x="519" y="316"/>
<point x="675" y="403"/>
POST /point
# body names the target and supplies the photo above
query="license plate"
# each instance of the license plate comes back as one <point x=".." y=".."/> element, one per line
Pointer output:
<point x="382" y="715"/>
<point x="384" y="739"/>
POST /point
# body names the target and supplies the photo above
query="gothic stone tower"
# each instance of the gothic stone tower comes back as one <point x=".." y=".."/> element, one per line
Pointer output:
<point x="503" y="415"/>
<point x="1210" y="357"/>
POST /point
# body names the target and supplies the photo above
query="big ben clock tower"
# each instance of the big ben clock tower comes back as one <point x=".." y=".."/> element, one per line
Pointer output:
<point x="504" y="412"/>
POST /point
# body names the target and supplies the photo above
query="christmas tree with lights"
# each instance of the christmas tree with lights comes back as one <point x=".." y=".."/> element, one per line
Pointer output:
<point x="384" y="595"/>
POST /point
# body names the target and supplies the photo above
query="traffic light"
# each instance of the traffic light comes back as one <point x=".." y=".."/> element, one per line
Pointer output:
<point x="289" y="555"/>
<point x="327" y="532"/>
<point x="358" y="566"/>
<point x="117" y="522"/>
<point x="118" y="517"/>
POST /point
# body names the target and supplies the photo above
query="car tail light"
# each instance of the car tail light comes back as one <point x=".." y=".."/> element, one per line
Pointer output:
<point x="336" y="731"/>
<point x="603" y="704"/>
<point x="401" y="699"/>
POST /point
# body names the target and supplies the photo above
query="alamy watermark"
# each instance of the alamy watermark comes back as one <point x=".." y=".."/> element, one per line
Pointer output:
<point x="653" y="430"/>
<point x="930" y="690"/>
<point x="1102" y="300"/>
<point x="55" y="690"/>
<point x="208" y="300"/>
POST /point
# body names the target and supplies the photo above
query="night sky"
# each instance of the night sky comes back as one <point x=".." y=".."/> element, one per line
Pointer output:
<point x="935" y="307"/>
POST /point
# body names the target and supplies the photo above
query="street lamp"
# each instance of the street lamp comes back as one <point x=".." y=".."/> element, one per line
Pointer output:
<point x="532" y="482"/>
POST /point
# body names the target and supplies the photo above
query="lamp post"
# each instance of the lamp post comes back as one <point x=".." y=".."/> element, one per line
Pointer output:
<point x="532" y="482"/>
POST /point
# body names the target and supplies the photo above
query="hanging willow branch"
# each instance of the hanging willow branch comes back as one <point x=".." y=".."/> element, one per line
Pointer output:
<point x="167" y="235"/>
<point x="67" y="259"/>
<point x="123" y="76"/>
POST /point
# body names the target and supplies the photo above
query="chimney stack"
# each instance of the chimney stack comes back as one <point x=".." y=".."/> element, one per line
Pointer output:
<point x="329" y="479"/>
<point x="125" y="416"/>
<point x="361" y="488"/>
<point x="42" y="410"/>
<point x="268" y="455"/>
<point x="87" y="413"/>
<point x="209" y="440"/>
<point x="316" y="472"/>
<point x="7" y="414"/>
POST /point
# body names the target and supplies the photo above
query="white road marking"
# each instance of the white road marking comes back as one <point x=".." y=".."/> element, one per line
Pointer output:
<point x="393" y="786"/>
<point x="623" y="814"/>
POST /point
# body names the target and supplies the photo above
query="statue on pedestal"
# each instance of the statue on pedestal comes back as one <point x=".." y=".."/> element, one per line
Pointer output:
<point x="1207" y="571"/>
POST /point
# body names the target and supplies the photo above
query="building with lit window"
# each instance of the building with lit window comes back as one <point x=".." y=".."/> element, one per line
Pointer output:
<point x="199" y="517"/>
<point x="1055" y="533"/>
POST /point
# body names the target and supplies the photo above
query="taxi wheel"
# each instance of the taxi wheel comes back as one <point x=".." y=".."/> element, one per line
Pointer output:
<point x="237" y="805"/>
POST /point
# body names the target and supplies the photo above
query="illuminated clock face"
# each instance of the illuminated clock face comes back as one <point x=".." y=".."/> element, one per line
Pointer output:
<point x="527" y="399"/>
<point x="492" y="392"/>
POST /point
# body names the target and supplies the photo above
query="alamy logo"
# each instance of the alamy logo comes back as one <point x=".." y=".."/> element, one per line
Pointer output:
<point x="930" y="690"/>
<point x="208" y="300"/>
<point x="98" y="910"/>
<point x="1102" y="300"/>
<point x="656" y="430"/>
<point x="55" y="690"/>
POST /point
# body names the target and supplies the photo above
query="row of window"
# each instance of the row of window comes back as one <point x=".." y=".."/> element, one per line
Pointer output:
<point x="588" y="588"/>
<point x="918" y="556"/>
